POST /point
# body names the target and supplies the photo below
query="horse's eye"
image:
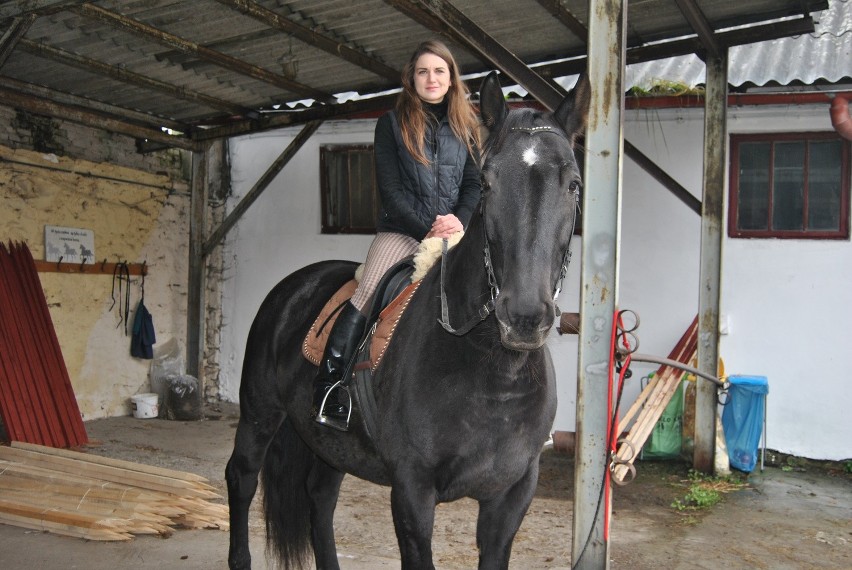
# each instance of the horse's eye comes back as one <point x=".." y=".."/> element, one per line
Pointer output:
<point x="575" y="186"/>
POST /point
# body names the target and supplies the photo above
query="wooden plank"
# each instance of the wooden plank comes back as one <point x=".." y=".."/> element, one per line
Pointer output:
<point x="63" y="529"/>
<point x="97" y="268"/>
<point x="109" y="461"/>
<point x="52" y="490"/>
<point x="113" y="474"/>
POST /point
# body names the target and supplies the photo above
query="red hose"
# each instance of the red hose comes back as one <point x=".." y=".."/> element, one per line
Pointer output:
<point x="840" y="119"/>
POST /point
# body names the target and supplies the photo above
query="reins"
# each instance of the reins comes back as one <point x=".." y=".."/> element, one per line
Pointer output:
<point x="483" y="311"/>
<point x="488" y="307"/>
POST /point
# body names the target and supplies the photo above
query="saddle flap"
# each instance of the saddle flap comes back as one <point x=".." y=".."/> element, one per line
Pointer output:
<point x="315" y="341"/>
<point x="314" y="344"/>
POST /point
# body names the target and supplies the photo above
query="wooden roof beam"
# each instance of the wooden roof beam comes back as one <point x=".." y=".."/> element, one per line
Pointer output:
<point x="310" y="37"/>
<point x="17" y="8"/>
<point x="428" y="20"/>
<point x="702" y="27"/>
<point x="13" y="34"/>
<point x="222" y="60"/>
<point x="41" y="106"/>
<point x="478" y="41"/>
<point x="687" y="46"/>
<point x="558" y="10"/>
<point x="121" y="113"/>
<point x="125" y="76"/>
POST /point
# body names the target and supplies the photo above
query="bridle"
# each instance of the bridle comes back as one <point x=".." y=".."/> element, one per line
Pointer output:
<point x="488" y="307"/>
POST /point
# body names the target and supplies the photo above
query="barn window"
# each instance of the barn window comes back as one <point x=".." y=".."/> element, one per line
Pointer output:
<point x="793" y="185"/>
<point x="349" y="198"/>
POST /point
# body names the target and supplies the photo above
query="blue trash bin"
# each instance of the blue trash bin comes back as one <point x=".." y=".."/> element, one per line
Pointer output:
<point x="742" y="419"/>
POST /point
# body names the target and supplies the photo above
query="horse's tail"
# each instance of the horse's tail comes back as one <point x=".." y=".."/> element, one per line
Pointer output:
<point x="285" y="498"/>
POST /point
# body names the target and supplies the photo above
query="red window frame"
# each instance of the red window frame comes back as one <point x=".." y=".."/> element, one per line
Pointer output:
<point x="842" y="232"/>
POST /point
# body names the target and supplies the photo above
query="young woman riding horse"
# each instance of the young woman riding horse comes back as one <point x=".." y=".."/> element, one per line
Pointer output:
<point x="428" y="180"/>
<point x="465" y="393"/>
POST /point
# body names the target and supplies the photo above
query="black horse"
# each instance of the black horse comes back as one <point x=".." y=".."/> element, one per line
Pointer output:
<point x="465" y="405"/>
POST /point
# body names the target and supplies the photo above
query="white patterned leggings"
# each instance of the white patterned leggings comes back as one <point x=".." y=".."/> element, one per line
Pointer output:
<point x="387" y="249"/>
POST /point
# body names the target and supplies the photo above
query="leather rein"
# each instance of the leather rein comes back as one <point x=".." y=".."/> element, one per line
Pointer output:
<point x="488" y="307"/>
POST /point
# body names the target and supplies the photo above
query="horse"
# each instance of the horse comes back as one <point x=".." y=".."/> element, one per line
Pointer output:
<point x="465" y="393"/>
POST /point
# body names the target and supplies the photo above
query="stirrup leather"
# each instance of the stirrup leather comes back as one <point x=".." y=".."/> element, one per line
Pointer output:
<point x="336" y="423"/>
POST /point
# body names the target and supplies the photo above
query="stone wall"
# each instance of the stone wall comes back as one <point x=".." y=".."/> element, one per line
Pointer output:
<point x="63" y="174"/>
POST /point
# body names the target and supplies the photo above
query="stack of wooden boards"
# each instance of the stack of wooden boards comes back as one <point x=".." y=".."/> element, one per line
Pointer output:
<point x="651" y="403"/>
<point x="99" y="498"/>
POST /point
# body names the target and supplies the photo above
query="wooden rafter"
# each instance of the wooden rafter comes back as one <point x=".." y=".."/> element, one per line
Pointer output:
<point x="17" y="8"/>
<point x="97" y="107"/>
<point x="312" y="37"/>
<point x="702" y="27"/>
<point x="222" y="60"/>
<point x="129" y="77"/>
<point x="89" y="118"/>
<point x="13" y="35"/>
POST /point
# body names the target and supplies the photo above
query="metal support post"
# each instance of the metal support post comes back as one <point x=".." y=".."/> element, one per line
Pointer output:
<point x="713" y="199"/>
<point x="599" y="281"/>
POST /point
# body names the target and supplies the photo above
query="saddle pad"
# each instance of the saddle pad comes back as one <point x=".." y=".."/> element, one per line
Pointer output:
<point x="314" y="344"/>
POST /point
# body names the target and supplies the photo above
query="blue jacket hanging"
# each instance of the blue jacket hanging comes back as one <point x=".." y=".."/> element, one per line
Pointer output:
<point x="143" y="339"/>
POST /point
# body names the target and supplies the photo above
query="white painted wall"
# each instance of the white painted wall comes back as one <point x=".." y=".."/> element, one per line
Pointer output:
<point x="785" y="300"/>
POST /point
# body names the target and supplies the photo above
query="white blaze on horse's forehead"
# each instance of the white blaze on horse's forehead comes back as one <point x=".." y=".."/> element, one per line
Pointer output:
<point x="530" y="157"/>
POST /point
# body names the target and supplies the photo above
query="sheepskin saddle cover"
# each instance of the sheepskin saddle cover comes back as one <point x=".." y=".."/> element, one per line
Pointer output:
<point x="314" y="345"/>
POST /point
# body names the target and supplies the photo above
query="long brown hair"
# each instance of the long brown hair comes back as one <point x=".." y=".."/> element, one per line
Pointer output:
<point x="412" y="116"/>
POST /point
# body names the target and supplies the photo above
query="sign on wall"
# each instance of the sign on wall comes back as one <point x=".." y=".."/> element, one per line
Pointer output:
<point x="69" y="245"/>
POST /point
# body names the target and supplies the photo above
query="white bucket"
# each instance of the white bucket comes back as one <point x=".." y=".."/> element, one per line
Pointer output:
<point x="145" y="405"/>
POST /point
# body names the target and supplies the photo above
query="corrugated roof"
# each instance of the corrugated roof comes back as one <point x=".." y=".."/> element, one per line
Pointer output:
<point x="211" y="64"/>
<point x="825" y="55"/>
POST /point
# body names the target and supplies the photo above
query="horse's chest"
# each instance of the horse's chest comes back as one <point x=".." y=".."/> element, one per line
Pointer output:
<point x="485" y="471"/>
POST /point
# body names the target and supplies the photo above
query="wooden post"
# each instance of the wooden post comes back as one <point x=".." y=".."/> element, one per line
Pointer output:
<point x="195" y="281"/>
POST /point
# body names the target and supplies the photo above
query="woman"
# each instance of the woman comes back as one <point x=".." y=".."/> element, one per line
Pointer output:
<point x="427" y="172"/>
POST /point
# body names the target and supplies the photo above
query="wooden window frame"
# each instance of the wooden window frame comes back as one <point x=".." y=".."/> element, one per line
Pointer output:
<point x="842" y="232"/>
<point x="325" y="151"/>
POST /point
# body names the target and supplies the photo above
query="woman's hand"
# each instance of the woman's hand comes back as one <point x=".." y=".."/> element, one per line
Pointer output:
<point x="445" y="226"/>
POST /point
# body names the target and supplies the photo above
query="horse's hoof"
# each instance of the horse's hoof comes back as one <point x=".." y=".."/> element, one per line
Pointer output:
<point x="241" y="563"/>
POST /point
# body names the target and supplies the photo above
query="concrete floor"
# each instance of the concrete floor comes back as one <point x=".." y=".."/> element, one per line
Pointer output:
<point x="788" y="519"/>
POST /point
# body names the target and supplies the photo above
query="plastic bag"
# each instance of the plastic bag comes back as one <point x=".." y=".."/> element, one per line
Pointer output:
<point x="666" y="439"/>
<point x="742" y="419"/>
<point x="167" y="363"/>
<point x="183" y="399"/>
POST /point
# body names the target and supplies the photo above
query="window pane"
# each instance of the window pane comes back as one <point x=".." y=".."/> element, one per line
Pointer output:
<point x="348" y="189"/>
<point x="788" y="187"/>
<point x="753" y="198"/>
<point x="361" y="181"/>
<point x="824" y="185"/>
<point x="332" y="190"/>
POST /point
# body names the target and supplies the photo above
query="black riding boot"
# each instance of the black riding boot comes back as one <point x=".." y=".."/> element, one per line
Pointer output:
<point x="342" y="342"/>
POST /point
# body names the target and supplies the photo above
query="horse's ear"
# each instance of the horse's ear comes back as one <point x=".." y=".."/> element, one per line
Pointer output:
<point x="574" y="109"/>
<point x="492" y="105"/>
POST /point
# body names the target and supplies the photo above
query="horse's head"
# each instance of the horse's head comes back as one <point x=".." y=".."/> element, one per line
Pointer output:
<point x="531" y="189"/>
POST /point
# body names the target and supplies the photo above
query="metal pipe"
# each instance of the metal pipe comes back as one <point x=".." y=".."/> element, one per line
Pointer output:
<point x="679" y="365"/>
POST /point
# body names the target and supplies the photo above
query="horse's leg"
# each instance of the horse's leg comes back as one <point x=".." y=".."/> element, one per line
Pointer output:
<point x="413" y="508"/>
<point x="500" y="518"/>
<point x="323" y="490"/>
<point x="250" y="445"/>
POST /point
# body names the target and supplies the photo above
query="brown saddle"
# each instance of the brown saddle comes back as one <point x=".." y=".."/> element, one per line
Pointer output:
<point x="315" y="341"/>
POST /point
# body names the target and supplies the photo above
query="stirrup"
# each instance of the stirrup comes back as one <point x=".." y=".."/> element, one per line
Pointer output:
<point x="336" y="423"/>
